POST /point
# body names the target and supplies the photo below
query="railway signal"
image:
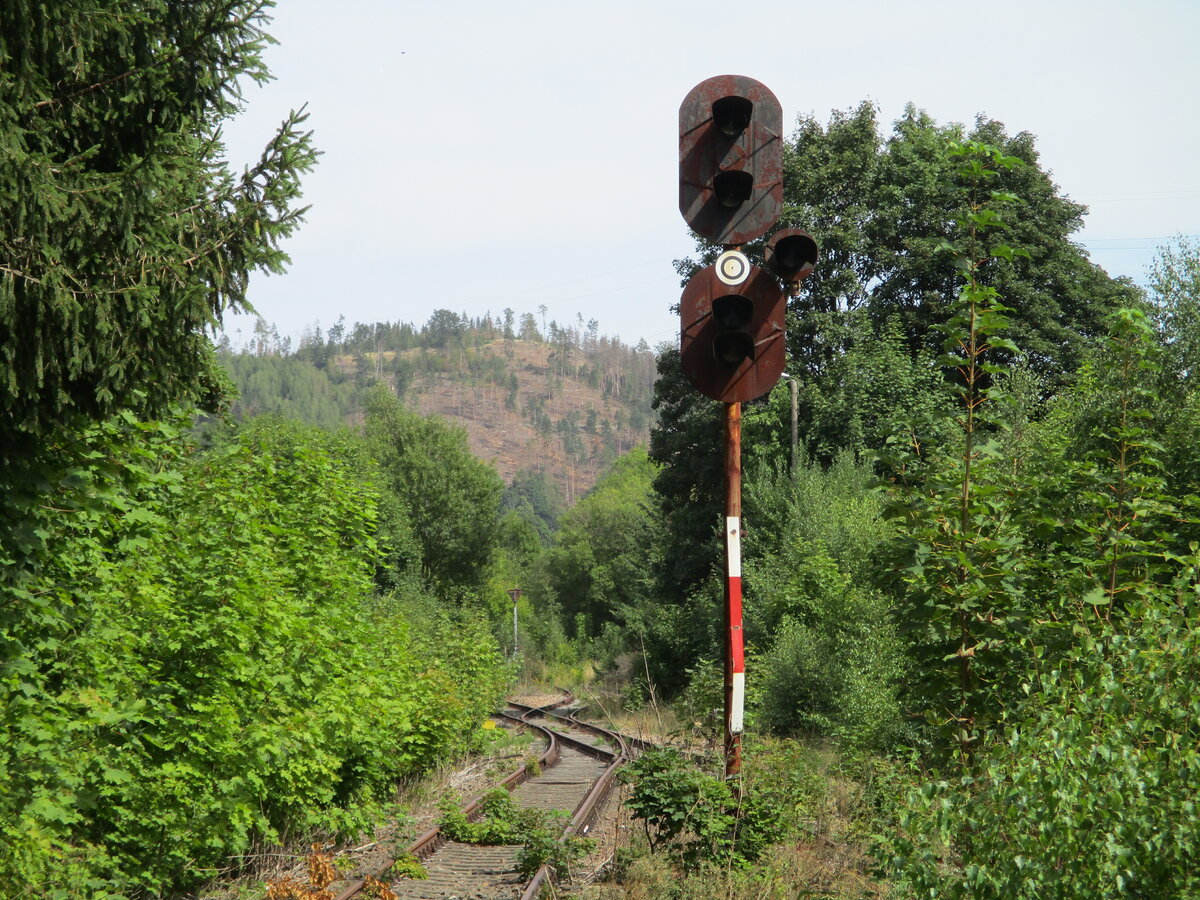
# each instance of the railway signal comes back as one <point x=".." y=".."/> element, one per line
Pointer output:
<point x="732" y="330"/>
<point x="730" y="159"/>
<point x="731" y="337"/>
<point x="792" y="255"/>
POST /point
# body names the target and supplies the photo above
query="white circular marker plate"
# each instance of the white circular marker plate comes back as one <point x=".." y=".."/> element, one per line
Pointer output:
<point x="732" y="267"/>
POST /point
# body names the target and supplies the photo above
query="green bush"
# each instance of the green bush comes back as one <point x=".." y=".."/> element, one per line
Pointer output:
<point x="829" y="658"/>
<point x="545" y="846"/>
<point x="696" y="817"/>
<point x="222" y="674"/>
<point x="1092" y="793"/>
<point x="835" y="508"/>
<point x="501" y="821"/>
<point x="835" y="661"/>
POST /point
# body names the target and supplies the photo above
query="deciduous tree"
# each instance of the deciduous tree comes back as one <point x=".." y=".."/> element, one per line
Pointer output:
<point x="453" y="497"/>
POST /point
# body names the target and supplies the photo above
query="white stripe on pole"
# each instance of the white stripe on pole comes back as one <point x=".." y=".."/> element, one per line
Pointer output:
<point x="733" y="543"/>
<point x="739" y="703"/>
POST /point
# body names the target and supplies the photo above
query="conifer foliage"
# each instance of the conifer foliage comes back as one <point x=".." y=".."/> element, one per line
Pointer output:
<point x="123" y="230"/>
<point x="193" y="656"/>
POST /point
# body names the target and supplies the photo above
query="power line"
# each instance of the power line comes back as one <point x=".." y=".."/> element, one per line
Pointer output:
<point x="1177" y="194"/>
<point x="1088" y="242"/>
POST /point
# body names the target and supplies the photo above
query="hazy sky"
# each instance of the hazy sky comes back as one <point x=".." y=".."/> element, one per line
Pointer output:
<point x="483" y="155"/>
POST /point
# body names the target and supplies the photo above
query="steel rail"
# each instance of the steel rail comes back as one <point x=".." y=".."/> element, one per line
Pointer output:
<point x="431" y="840"/>
<point x="585" y="812"/>
<point x="632" y="742"/>
<point x="589" y="807"/>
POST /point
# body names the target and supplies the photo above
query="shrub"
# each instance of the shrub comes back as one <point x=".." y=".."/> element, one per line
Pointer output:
<point x="1093" y="792"/>
<point x="835" y="662"/>
<point x="696" y="817"/>
<point x="223" y="673"/>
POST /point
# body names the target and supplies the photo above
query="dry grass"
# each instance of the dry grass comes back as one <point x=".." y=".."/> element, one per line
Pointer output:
<point x="827" y="858"/>
<point x="816" y="869"/>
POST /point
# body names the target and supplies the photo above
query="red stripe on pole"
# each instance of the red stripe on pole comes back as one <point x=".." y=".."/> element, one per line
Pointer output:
<point x="735" y="680"/>
<point x="735" y="625"/>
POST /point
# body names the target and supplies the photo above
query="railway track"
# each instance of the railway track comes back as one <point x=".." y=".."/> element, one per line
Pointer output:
<point x="577" y="773"/>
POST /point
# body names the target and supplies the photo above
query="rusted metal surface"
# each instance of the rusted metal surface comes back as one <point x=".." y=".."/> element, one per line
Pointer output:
<point x="732" y="314"/>
<point x="730" y="159"/>
<point x="433" y="840"/>
<point x="791" y="253"/>
<point x="490" y="871"/>
<point x="429" y="842"/>
<point x="589" y="807"/>
<point x="466" y="870"/>
<point x="633" y="745"/>
<point x="753" y="376"/>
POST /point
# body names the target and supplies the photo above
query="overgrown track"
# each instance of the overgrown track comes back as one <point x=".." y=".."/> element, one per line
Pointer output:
<point x="578" y="770"/>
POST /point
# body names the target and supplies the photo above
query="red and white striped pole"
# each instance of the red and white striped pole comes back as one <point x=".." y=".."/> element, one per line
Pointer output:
<point x="735" y="664"/>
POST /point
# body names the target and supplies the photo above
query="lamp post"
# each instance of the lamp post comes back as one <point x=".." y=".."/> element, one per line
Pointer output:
<point x="515" y="593"/>
<point x="794" y="388"/>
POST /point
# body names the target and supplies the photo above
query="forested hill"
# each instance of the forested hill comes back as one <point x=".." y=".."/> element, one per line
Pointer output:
<point x="563" y="399"/>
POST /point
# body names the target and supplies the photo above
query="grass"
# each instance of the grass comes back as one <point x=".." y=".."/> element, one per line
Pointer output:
<point x="824" y="854"/>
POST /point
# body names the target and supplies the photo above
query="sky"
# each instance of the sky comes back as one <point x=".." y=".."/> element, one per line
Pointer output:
<point x="484" y="155"/>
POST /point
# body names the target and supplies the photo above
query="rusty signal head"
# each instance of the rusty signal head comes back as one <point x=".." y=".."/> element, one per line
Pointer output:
<point x="791" y="254"/>
<point x="731" y="343"/>
<point x="730" y="159"/>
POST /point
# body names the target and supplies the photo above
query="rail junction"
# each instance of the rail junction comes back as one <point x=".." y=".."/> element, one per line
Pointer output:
<point x="576" y="773"/>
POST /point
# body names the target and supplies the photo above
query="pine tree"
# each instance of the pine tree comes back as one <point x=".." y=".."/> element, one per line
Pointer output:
<point x="124" y="233"/>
